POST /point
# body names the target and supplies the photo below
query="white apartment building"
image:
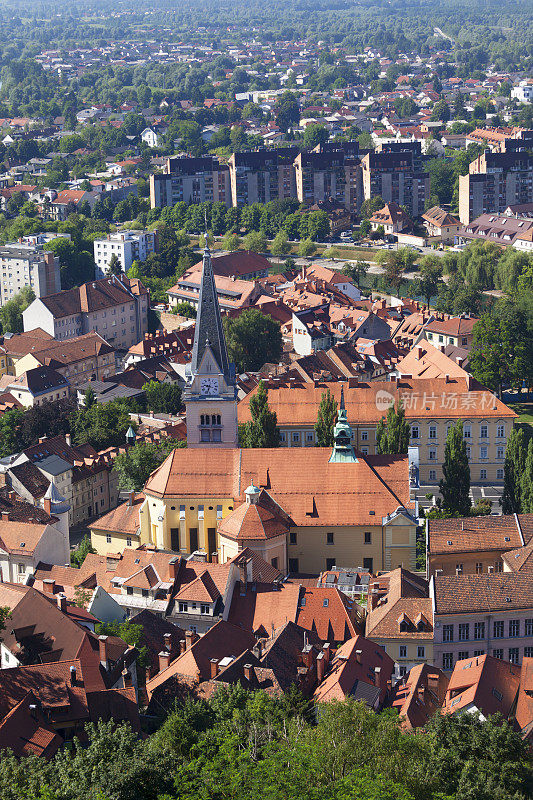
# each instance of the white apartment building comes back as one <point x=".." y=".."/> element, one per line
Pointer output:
<point x="27" y="265"/>
<point x="523" y="92"/>
<point x="128" y="246"/>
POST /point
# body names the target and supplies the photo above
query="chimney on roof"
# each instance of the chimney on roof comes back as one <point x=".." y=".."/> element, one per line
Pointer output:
<point x="377" y="676"/>
<point x="127" y="679"/>
<point x="190" y="638"/>
<point x="164" y="660"/>
<point x="242" y="576"/>
<point x="248" y="672"/>
<point x="214" y="558"/>
<point x="167" y="638"/>
<point x="173" y="567"/>
<point x="446" y="378"/>
<point x="49" y="586"/>
<point x="183" y="646"/>
<point x="419" y="351"/>
<point x="358" y="656"/>
<point x="73" y="675"/>
<point x="307" y="656"/>
<point x="326" y="649"/>
<point x="47" y="505"/>
<point x="104" y="655"/>
<point x="62" y="602"/>
<point x="5" y="516"/>
<point x="258" y="649"/>
<point x="131" y="497"/>
<point x="68" y="439"/>
<point x="320" y="667"/>
<point x="459" y="361"/>
<point x="214" y="667"/>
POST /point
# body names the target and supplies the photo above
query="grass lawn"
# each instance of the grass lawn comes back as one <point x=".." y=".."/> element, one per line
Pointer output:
<point x="525" y="419"/>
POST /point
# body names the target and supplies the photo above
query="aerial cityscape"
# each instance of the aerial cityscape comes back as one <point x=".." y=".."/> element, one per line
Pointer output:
<point x="266" y="400"/>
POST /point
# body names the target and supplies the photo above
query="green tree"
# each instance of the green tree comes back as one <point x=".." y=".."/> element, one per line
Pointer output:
<point x="135" y="467"/>
<point x="255" y="241"/>
<point x="231" y="242"/>
<point x="253" y="339"/>
<point x="314" y="135"/>
<point x="163" y="398"/>
<point x="10" y="423"/>
<point x="11" y="311"/>
<point x="326" y="418"/>
<point x="427" y="285"/>
<point x="101" y="425"/>
<point x="441" y="111"/>
<point x="526" y="482"/>
<point x="262" y="430"/>
<point x="78" y="554"/>
<point x="393" y="432"/>
<point x="515" y="461"/>
<point x="115" y="267"/>
<point x="369" y="206"/>
<point x="307" y="248"/>
<point x="455" y="485"/>
<point x="356" y="271"/>
<point x="502" y="348"/>
<point x="280" y="245"/>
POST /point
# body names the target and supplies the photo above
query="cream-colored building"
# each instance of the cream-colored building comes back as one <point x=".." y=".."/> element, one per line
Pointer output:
<point x="311" y="513"/>
<point x="400" y="618"/>
<point x="432" y="406"/>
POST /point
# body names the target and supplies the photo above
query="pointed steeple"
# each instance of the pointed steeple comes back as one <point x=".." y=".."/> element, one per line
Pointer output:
<point x="342" y="435"/>
<point x="209" y="331"/>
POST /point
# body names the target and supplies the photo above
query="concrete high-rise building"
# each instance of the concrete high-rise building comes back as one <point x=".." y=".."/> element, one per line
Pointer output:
<point x="259" y="176"/>
<point x="495" y="181"/>
<point x="330" y="172"/>
<point x="27" y="265"/>
<point x="395" y="172"/>
<point x="192" y="180"/>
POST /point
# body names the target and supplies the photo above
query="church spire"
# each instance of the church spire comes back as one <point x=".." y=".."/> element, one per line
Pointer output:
<point x="208" y="331"/>
<point x="342" y="448"/>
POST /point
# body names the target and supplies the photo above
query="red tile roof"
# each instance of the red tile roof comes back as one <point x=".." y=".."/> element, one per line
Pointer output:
<point x="487" y="683"/>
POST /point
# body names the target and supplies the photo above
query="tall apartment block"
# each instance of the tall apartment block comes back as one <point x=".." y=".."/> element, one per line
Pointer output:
<point x="259" y="176"/>
<point x="395" y="172"/>
<point x="495" y="181"/>
<point x="27" y="265"/>
<point x="128" y="246"/>
<point x="192" y="180"/>
<point x="330" y="172"/>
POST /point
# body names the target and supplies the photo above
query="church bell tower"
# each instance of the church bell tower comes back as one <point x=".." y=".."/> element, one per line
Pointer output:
<point x="211" y="393"/>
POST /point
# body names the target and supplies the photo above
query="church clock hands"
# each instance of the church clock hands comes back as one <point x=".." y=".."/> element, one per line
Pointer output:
<point x="209" y="386"/>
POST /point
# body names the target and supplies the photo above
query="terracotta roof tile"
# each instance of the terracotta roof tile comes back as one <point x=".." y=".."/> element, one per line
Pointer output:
<point x="488" y="683"/>
<point x="503" y="591"/>
<point x="472" y="534"/>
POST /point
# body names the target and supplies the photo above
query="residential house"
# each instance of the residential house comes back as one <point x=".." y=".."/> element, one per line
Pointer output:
<point x="484" y="686"/>
<point x="400" y="618"/>
<point x="83" y="476"/>
<point x="392" y="218"/>
<point x="76" y="361"/>
<point x="37" y="386"/>
<point x="30" y="534"/>
<point x="457" y="331"/>
<point x="359" y="669"/>
<point x="419" y="695"/>
<point x="115" y="308"/>
<point x="441" y="224"/>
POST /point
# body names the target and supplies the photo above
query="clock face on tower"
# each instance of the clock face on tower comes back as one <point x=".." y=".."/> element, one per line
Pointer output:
<point x="209" y="386"/>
